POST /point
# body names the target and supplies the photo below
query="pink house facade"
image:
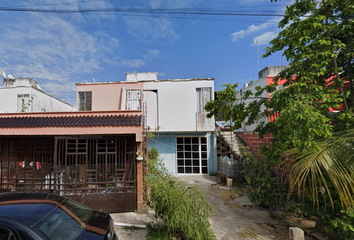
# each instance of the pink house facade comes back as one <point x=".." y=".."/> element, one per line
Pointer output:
<point x="88" y="155"/>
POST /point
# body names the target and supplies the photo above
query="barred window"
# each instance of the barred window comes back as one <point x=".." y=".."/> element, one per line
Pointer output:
<point x="85" y="101"/>
<point x="133" y="100"/>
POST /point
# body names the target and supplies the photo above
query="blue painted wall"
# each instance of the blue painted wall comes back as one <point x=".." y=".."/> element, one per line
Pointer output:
<point x="165" y="143"/>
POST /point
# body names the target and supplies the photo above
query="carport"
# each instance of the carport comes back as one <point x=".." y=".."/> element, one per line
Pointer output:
<point x="53" y="152"/>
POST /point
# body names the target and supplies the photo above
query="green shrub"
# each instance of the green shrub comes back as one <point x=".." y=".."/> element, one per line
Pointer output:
<point x="259" y="175"/>
<point x="184" y="210"/>
<point x="343" y="224"/>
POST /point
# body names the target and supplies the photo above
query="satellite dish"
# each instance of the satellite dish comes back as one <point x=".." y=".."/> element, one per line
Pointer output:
<point x="2" y="73"/>
<point x="12" y="77"/>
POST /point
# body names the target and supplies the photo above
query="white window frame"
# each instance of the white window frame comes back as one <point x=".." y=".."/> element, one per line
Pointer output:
<point x="204" y="95"/>
<point x="133" y="101"/>
<point x="23" y="99"/>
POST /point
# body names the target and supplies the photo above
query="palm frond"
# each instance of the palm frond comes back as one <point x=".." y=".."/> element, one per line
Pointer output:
<point x="329" y="166"/>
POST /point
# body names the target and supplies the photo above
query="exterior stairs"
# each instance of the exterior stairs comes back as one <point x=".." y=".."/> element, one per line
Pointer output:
<point x="231" y="139"/>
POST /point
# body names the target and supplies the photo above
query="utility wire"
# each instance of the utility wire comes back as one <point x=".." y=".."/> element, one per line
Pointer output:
<point x="145" y="11"/>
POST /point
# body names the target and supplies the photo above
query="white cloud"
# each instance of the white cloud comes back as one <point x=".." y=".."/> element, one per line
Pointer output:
<point x="133" y="63"/>
<point x="46" y="47"/>
<point x="254" y="29"/>
<point x="58" y="88"/>
<point x="150" y="29"/>
<point x="238" y="35"/>
<point x="265" y="38"/>
<point x="152" y="54"/>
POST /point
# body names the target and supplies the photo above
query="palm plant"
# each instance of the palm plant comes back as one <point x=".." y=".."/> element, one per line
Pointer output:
<point x="326" y="169"/>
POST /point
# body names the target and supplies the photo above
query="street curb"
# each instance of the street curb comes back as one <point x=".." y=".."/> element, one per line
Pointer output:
<point x="129" y="225"/>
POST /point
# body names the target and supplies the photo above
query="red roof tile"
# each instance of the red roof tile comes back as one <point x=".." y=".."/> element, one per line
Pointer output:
<point x="70" y="121"/>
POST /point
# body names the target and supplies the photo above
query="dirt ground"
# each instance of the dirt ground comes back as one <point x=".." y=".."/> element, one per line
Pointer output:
<point x="234" y="216"/>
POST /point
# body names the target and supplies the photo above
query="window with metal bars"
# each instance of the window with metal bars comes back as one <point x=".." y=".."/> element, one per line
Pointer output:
<point x="85" y="101"/>
<point x="133" y="99"/>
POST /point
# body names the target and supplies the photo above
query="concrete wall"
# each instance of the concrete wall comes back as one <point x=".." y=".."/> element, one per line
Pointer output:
<point x="165" y="143"/>
<point x="261" y="83"/>
<point x="265" y="76"/>
<point x="106" y="96"/>
<point x="177" y="105"/>
<point x="41" y="101"/>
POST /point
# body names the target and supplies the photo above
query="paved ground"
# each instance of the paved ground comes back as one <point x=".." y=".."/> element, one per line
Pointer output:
<point x="233" y="218"/>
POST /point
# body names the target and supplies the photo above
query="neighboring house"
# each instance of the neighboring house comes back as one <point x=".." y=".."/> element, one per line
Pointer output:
<point x="25" y="95"/>
<point x="87" y="155"/>
<point x="90" y="155"/>
<point x="173" y="112"/>
<point x="175" y="115"/>
<point x="265" y="77"/>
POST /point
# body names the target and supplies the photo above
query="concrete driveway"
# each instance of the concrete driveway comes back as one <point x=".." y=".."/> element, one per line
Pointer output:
<point x="234" y="216"/>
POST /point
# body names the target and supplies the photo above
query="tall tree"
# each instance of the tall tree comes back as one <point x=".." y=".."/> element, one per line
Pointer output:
<point x="316" y="37"/>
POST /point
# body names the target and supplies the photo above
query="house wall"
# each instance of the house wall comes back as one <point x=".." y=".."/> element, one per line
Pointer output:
<point x="41" y="101"/>
<point x="260" y="83"/>
<point x="106" y="96"/>
<point x="165" y="144"/>
<point x="265" y="77"/>
<point x="79" y="130"/>
<point x="177" y="105"/>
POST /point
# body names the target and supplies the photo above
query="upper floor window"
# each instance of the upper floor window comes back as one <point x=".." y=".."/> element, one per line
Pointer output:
<point x="23" y="103"/>
<point x="133" y="99"/>
<point x="203" y="96"/>
<point x="85" y="101"/>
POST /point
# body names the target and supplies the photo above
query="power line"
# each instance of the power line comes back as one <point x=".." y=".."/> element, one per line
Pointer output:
<point x="142" y="11"/>
<point x="56" y="4"/>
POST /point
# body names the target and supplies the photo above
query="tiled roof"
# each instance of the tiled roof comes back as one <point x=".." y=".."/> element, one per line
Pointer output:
<point x="70" y="121"/>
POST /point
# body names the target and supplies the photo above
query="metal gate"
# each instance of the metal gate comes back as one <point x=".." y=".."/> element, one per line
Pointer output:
<point x="26" y="164"/>
<point x="99" y="172"/>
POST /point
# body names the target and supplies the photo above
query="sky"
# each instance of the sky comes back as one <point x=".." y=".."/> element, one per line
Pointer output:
<point x="66" y="44"/>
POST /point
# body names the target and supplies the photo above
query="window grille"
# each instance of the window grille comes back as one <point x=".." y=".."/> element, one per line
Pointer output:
<point x="133" y="100"/>
<point x="85" y="101"/>
<point x="192" y="155"/>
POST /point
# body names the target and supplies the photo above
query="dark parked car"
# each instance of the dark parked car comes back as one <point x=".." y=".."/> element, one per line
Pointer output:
<point x="35" y="216"/>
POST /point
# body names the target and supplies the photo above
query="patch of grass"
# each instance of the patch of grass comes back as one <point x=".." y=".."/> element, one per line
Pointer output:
<point x="184" y="209"/>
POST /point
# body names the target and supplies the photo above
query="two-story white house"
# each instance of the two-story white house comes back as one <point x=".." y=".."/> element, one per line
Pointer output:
<point x="25" y="95"/>
<point x="174" y="112"/>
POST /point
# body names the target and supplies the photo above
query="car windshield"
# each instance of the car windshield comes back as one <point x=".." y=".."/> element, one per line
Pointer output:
<point x="65" y="222"/>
